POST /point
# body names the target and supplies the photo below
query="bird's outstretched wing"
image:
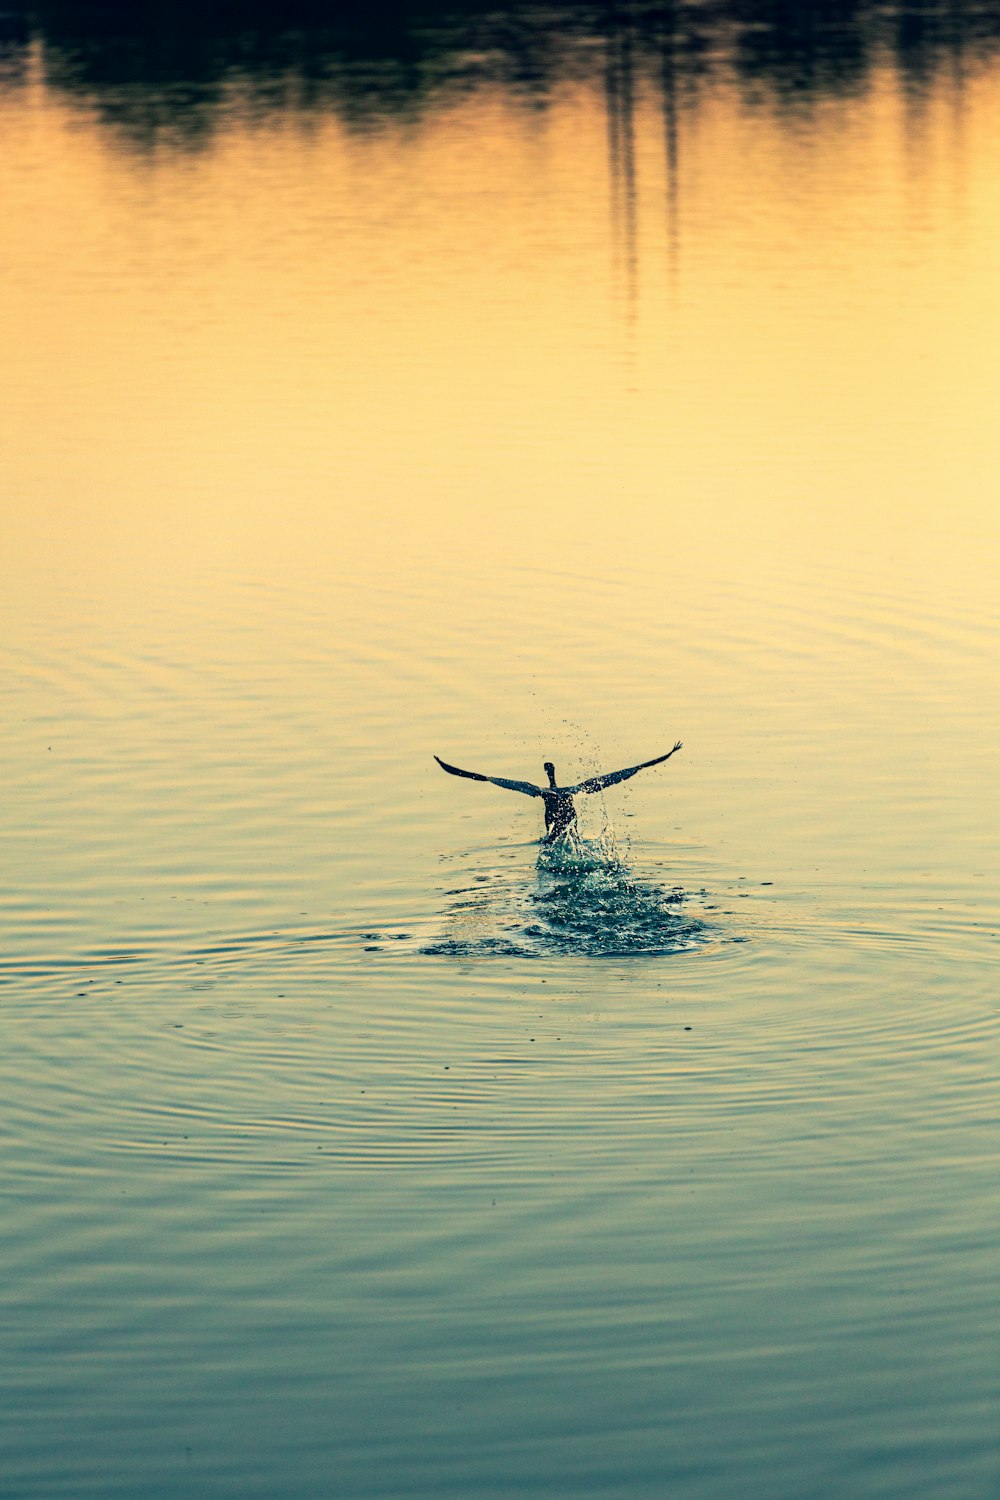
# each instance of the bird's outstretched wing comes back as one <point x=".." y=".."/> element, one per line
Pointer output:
<point x="598" y="783"/>
<point x="526" y="787"/>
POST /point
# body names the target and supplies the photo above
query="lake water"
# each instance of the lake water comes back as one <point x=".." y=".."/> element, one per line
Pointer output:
<point x="503" y="385"/>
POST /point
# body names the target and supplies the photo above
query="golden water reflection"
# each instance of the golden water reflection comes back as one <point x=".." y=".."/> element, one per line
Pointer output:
<point x="636" y="327"/>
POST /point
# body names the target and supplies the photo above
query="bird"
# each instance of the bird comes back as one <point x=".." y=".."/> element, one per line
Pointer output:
<point x="560" y="809"/>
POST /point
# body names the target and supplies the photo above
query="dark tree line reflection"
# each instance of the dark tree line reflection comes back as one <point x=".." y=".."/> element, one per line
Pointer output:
<point x="162" y="68"/>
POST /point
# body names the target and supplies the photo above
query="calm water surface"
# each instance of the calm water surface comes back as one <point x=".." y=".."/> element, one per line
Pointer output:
<point x="508" y="388"/>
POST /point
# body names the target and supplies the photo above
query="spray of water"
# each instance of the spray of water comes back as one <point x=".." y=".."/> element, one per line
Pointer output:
<point x="580" y="897"/>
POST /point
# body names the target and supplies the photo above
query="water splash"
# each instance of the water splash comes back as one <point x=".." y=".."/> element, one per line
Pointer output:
<point x="582" y="897"/>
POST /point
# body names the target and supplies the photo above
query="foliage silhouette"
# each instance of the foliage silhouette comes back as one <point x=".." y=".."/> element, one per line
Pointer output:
<point x="163" y="68"/>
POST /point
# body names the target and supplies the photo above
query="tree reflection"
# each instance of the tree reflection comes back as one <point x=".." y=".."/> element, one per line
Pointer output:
<point x="163" y="69"/>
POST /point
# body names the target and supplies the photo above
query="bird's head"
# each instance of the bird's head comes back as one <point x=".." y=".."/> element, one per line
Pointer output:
<point x="550" y="772"/>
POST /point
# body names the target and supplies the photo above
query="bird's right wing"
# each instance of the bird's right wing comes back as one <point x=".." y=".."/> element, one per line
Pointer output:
<point x="598" y="783"/>
<point x="527" y="787"/>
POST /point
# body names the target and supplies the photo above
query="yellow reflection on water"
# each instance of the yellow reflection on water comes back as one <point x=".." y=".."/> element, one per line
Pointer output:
<point x="608" y="334"/>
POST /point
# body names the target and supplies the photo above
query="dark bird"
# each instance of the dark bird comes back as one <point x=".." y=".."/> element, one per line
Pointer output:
<point x="560" y="809"/>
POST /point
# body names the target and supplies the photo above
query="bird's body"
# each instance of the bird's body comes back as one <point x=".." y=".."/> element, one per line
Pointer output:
<point x="560" y="809"/>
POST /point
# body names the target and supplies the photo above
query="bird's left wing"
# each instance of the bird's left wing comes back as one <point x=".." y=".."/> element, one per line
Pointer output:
<point x="598" y="783"/>
<point x="527" y="787"/>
